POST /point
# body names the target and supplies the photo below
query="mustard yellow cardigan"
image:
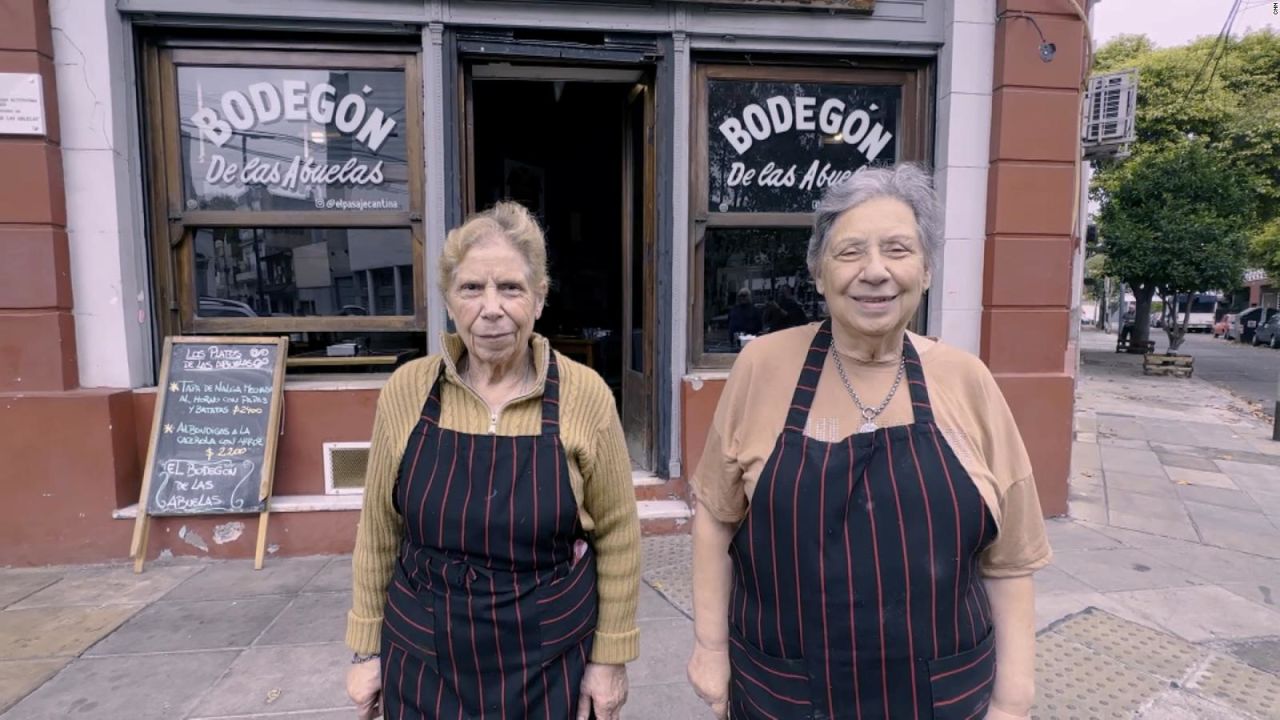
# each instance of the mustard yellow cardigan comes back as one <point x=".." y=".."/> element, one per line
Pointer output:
<point x="599" y="471"/>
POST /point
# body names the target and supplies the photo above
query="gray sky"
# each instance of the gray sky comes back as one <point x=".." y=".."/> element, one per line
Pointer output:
<point x="1175" y="22"/>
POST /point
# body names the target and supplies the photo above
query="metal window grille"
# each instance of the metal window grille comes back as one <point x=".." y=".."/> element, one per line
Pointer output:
<point x="344" y="467"/>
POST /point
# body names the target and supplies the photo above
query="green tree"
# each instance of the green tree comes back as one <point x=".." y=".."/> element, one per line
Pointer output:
<point x="1226" y="96"/>
<point x="1174" y="220"/>
<point x="1264" y="248"/>
<point x="1098" y="288"/>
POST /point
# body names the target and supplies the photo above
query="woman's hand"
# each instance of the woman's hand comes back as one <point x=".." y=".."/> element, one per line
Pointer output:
<point x="604" y="690"/>
<point x="709" y="675"/>
<point x="995" y="713"/>
<point x="364" y="687"/>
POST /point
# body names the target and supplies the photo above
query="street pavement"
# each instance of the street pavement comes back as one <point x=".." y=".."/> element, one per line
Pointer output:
<point x="1161" y="603"/>
<point x="1252" y="373"/>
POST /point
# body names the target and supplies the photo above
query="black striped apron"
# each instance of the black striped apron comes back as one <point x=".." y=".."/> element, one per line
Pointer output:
<point x="488" y="613"/>
<point x="856" y="590"/>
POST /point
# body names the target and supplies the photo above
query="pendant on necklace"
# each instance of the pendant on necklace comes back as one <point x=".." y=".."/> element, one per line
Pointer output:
<point x="867" y="427"/>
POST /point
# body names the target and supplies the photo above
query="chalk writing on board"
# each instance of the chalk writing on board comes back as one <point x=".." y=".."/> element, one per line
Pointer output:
<point x="190" y="485"/>
<point x="215" y="425"/>
<point x="215" y="358"/>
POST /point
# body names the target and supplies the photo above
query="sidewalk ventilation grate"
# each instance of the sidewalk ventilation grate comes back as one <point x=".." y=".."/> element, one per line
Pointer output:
<point x="668" y="569"/>
<point x="662" y="551"/>
<point x="1073" y="681"/>
<point x="674" y="582"/>
<point x="1241" y="686"/>
<point x="1135" y="645"/>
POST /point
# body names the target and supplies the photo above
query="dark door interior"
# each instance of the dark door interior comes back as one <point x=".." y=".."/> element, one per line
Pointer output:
<point x="579" y="155"/>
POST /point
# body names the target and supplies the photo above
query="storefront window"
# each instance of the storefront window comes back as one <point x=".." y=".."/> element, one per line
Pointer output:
<point x="303" y="272"/>
<point x="771" y="141"/>
<point x="288" y="195"/>
<point x="755" y="282"/>
<point x="261" y="139"/>
<point x="775" y="147"/>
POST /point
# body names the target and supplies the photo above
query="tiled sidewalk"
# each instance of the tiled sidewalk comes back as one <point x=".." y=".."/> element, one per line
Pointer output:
<point x="217" y="640"/>
<point x="1162" y="603"/>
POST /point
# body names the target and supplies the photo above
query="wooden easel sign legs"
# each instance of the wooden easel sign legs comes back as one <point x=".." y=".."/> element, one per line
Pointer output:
<point x="142" y="533"/>
<point x="214" y="433"/>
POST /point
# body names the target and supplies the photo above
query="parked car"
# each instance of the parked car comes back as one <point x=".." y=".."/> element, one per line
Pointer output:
<point x="1248" y="322"/>
<point x="1220" y="327"/>
<point x="215" y="307"/>
<point x="1269" y="333"/>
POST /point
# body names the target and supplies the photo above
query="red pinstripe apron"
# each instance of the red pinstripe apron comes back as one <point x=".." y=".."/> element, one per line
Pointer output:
<point x="856" y="590"/>
<point x="488" y="613"/>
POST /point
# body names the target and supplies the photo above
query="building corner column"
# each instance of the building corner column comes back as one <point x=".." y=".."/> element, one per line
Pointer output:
<point x="1032" y="233"/>
<point x="69" y="455"/>
<point x="37" y="329"/>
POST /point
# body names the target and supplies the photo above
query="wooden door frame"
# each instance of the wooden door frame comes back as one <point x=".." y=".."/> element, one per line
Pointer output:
<point x="646" y="86"/>
<point x="172" y="226"/>
<point x="465" y="138"/>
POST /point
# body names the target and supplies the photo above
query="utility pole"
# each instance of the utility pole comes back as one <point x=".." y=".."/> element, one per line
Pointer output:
<point x="1275" y="414"/>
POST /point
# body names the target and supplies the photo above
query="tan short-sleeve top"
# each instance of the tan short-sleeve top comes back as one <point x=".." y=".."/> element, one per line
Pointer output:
<point x="968" y="407"/>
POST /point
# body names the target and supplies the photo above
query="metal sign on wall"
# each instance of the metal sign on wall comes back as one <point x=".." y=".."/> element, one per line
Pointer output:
<point x="777" y="146"/>
<point x="859" y="6"/>
<point x="21" y="104"/>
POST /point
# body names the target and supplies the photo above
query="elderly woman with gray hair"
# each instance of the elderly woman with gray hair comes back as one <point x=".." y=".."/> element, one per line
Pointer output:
<point x="867" y="521"/>
<point x="497" y="562"/>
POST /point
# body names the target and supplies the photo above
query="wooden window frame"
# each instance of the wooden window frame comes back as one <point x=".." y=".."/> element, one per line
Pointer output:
<point x="173" y="227"/>
<point x="914" y="132"/>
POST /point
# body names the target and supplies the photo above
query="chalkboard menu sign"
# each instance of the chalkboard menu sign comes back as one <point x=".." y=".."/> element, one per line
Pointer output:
<point x="777" y="146"/>
<point x="214" y="430"/>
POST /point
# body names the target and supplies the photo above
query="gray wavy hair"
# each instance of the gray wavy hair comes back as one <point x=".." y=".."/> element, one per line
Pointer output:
<point x="907" y="182"/>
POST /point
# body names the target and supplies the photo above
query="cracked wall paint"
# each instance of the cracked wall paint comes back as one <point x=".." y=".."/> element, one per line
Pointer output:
<point x="192" y="538"/>
<point x="228" y="532"/>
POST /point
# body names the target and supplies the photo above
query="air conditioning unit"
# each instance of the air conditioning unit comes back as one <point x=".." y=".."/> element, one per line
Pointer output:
<point x="1110" y="107"/>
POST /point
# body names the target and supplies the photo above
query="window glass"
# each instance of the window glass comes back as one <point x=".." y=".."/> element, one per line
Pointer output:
<point x="289" y="139"/>
<point x="776" y="146"/>
<point x="298" y="272"/>
<point x="755" y="282"/>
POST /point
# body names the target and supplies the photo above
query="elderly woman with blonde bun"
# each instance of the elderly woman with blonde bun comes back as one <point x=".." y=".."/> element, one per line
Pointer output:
<point x="496" y="569"/>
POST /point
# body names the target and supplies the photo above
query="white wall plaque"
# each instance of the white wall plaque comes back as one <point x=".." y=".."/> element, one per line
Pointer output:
<point x="21" y="104"/>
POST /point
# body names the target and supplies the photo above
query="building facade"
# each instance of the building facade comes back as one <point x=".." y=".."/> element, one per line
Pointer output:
<point x="1261" y="289"/>
<point x="265" y="168"/>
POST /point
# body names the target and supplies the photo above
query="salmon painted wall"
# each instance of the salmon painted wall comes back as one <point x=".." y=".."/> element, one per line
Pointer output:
<point x="81" y="458"/>
<point x="1033" y="191"/>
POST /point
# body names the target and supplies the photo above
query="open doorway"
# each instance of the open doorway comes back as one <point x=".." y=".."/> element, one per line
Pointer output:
<point x="574" y="145"/>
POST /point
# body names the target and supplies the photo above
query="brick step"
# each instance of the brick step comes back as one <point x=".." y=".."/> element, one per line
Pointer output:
<point x="662" y="504"/>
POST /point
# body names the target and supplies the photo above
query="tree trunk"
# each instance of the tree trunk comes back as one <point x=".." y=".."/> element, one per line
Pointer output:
<point x="1100" y="321"/>
<point x="1142" y="319"/>
<point x="1175" y="329"/>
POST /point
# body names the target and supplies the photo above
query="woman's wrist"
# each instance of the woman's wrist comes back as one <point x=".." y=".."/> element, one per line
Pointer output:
<point x="359" y="658"/>
<point x="1013" y="704"/>
<point x="994" y="712"/>
<point x="712" y="644"/>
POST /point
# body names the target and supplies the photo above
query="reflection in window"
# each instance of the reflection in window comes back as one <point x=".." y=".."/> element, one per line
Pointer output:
<point x="298" y="272"/>
<point x="755" y="281"/>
